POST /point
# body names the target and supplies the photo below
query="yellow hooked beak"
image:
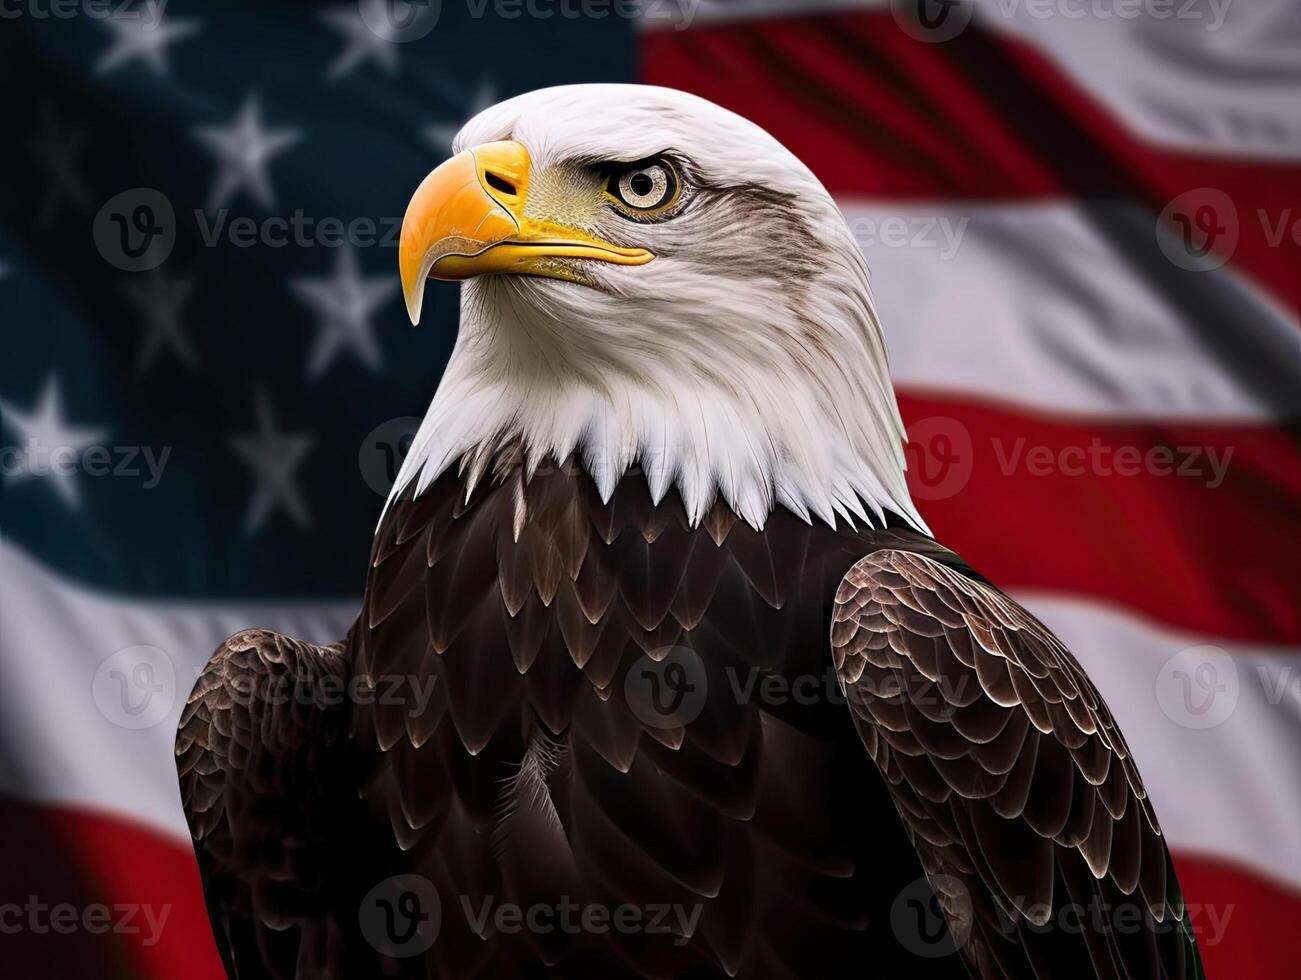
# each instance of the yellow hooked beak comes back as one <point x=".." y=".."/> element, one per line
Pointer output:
<point x="467" y="219"/>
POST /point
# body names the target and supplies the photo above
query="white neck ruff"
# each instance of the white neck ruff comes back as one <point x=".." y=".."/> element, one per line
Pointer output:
<point x="811" y="435"/>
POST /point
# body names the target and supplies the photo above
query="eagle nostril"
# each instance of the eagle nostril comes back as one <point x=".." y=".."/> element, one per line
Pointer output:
<point x="498" y="182"/>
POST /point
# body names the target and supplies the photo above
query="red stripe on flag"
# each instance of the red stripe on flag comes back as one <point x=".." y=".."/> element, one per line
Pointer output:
<point x="1179" y="520"/>
<point x="120" y="866"/>
<point x="1242" y="922"/>
<point x="878" y="114"/>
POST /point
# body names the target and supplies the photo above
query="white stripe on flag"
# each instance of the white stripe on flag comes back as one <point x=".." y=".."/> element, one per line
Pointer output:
<point x="1232" y="791"/>
<point x="70" y="655"/>
<point x="1063" y="308"/>
<point x="1216" y="730"/>
<point x="1205" y="75"/>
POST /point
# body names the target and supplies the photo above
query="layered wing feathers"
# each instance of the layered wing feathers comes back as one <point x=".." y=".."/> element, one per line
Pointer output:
<point x="260" y="752"/>
<point x="1010" y="775"/>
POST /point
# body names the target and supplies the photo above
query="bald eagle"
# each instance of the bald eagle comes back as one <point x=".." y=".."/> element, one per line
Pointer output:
<point x="659" y="672"/>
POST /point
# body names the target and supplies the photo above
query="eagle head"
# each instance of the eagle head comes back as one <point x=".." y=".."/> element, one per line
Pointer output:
<point x="651" y="280"/>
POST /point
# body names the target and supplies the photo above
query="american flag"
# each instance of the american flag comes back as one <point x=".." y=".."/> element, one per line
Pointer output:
<point x="1083" y="219"/>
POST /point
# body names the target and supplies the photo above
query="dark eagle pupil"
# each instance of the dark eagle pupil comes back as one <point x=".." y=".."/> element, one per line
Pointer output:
<point x="641" y="184"/>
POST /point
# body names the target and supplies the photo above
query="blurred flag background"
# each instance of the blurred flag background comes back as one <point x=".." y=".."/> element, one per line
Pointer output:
<point x="1083" y="219"/>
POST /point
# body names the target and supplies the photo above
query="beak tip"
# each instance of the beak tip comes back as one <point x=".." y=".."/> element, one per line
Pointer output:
<point x="413" y="293"/>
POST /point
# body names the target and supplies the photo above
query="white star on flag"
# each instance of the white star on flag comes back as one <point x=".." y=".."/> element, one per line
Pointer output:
<point x="273" y="457"/>
<point x="344" y="304"/>
<point x="48" y="448"/>
<point x="362" y="43"/>
<point x="141" y="35"/>
<point x="440" y="135"/>
<point x="244" y="147"/>
<point x="159" y="301"/>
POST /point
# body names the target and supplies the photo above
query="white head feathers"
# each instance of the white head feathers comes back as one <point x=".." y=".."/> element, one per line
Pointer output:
<point x="745" y="360"/>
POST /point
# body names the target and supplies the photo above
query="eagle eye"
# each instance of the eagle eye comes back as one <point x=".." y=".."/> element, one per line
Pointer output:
<point x="646" y="188"/>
